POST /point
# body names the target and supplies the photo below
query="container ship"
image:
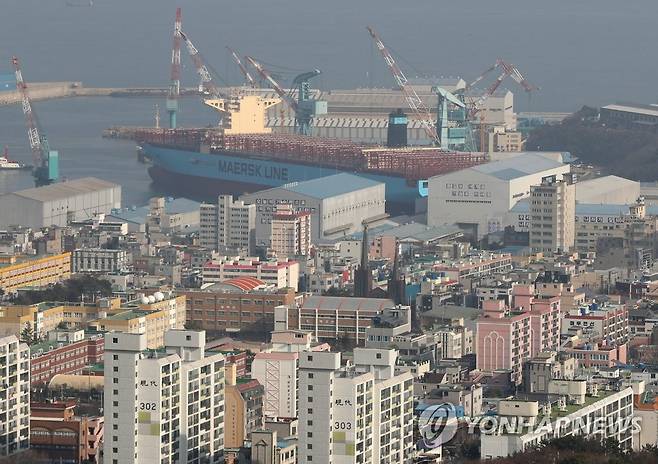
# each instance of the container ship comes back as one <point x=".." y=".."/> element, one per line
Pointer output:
<point x="243" y="156"/>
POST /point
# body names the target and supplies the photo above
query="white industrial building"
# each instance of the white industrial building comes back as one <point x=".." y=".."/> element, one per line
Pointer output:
<point x="358" y="413"/>
<point x="608" y="190"/>
<point x="338" y="205"/>
<point x="479" y="198"/>
<point x="60" y="203"/>
<point x="163" y="406"/>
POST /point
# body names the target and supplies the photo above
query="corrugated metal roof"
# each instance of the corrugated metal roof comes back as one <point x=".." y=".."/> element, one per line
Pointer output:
<point x="66" y="189"/>
<point x="138" y="215"/>
<point x="330" y="186"/>
<point x="600" y="185"/>
<point x="517" y="166"/>
<point x="649" y="110"/>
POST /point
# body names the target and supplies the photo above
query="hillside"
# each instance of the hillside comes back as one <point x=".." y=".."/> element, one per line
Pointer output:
<point x="627" y="153"/>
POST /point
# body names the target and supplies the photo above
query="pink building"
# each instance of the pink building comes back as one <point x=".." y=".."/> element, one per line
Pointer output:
<point x="592" y="354"/>
<point x="508" y="337"/>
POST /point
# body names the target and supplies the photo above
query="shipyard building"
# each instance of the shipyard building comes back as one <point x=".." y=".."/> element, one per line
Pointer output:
<point x="59" y="204"/>
<point x="337" y="205"/>
<point x="478" y="198"/>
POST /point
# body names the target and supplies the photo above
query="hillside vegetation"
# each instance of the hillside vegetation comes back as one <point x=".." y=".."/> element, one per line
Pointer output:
<point x="627" y="153"/>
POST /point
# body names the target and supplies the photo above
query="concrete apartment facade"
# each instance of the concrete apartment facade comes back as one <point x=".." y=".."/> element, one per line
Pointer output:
<point x="163" y="407"/>
<point x="358" y="414"/>
<point x="228" y="224"/>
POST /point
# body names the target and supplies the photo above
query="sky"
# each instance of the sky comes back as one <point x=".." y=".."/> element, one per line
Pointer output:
<point x="578" y="51"/>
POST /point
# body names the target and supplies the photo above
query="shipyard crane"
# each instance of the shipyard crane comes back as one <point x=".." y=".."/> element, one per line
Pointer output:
<point x="203" y="70"/>
<point x="416" y="104"/>
<point x="304" y="107"/>
<point x="46" y="169"/>
<point x="174" y="84"/>
<point x="243" y="69"/>
<point x="508" y="70"/>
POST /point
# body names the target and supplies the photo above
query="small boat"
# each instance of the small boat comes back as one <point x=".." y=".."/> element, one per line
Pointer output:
<point x="6" y="164"/>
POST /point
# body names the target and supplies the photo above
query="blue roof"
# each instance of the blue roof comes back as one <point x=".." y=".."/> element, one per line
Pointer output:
<point x="138" y="215"/>
<point x="331" y="186"/>
<point x="518" y="166"/>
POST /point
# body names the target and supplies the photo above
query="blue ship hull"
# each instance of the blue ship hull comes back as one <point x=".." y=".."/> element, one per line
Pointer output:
<point x="236" y="172"/>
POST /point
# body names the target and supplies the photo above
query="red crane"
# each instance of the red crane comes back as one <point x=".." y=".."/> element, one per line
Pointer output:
<point x="509" y="70"/>
<point x="202" y="69"/>
<point x="262" y="72"/>
<point x="46" y="169"/>
<point x="243" y="68"/>
<point x="415" y="103"/>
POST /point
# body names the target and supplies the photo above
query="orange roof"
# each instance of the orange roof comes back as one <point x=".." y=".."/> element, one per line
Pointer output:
<point x="244" y="283"/>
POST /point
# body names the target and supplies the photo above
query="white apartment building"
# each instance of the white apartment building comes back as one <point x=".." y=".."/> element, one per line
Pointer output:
<point x="163" y="406"/>
<point x="451" y="343"/>
<point x="99" y="260"/>
<point x="228" y="224"/>
<point x="553" y="215"/>
<point x="291" y="232"/>
<point x="361" y="413"/>
<point x="15" y="396"/>
<point x="612" y="408"/>
<point x="277" y="372"/>
<point x="281" y="273"/>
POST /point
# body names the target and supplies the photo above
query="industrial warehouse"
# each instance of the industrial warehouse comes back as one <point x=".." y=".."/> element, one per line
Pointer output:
<point x="59" y="204"/>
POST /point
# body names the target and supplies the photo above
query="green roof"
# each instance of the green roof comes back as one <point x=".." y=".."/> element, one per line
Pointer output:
<point x="127" y="315"/>
<point x="571" y="408"/>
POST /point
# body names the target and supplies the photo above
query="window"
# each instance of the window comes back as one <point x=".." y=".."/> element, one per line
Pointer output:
<point x="309" y="434"/>
<point x="310" y="375"/>
<point x="115" y="340"/>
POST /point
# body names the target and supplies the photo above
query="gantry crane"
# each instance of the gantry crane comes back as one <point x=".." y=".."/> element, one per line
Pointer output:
<point x="174" y="84"/>
<point x="46" y="161"/>
<point x="304" y="106"/>
<point x="243" y="69"/>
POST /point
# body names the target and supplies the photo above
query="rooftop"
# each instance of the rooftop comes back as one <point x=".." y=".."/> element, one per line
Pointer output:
<point x="649" y="110"/>
<point x="66" y="189"/>
<point x="330" y="186"/>
<point x="127" y="315"/>
<point x="517" y="166"/>
<point x="139" y="214"/>
<point x="600" y="185"/>
<point x="347" y="303"/>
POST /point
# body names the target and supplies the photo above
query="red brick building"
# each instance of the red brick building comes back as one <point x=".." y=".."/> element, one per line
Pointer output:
<point x="60" y="436"/>
<point x="68" y="356"/>
<point x="240" y="304"/>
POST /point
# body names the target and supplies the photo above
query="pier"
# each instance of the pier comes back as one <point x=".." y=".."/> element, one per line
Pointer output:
<point x="69" y="89"/>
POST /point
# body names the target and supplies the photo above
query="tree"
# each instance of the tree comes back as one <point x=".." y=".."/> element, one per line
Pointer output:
<point x="27" y="334"/>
